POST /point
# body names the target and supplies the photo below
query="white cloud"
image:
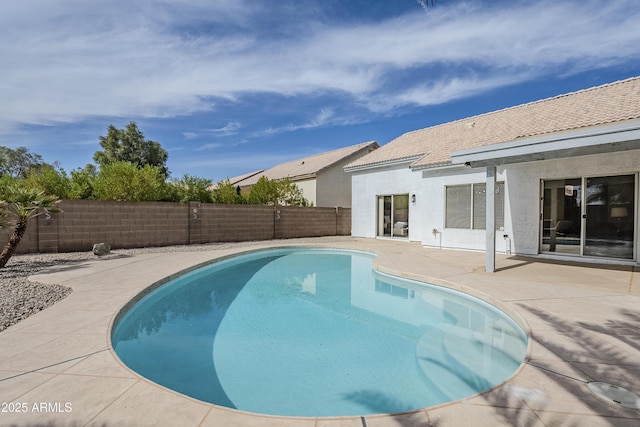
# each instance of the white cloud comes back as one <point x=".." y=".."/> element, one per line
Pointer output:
<point x="441" y="91"/>
<point x="323" y="118"/>
<point x="238" y="163"/>
<point x="209" y="146"/>
<point x="72" y="59"/>
<point x="230" y="128"/>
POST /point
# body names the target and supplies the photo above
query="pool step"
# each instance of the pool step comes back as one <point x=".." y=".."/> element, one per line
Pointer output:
<point x="468" y="361"/>
<point x="434" y="367"/>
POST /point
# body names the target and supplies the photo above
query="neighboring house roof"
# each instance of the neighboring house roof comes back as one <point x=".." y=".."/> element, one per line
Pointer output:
<point x="309" y="167"/>
<point x="431" y="147"/>
<point x="237" y="179"/>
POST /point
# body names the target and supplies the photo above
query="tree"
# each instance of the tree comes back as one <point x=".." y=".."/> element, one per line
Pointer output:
<point x="129" y="145"/>
<point x="18" y="204"/>
<point x="193" y="189"/>
<point x="49" y="180"/>
<point x="82" y="182"/>
<point x="276" y="192"/>
<point x="6" y="181"/>
<point x="123" y="181"/>
<point x="17" y="163"/>
<point x="263" y="192"/>
<point x="290" y="194"/>
<point x="225" y="192"/>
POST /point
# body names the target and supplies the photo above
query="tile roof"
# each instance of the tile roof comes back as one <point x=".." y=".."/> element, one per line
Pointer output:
<point x="430" y="147"/>
<point x="312" y="165"/>
<point x="236" y="179"/>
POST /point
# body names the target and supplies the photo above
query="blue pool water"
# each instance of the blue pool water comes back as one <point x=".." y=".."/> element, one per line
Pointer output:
<point x="312" y="332"/>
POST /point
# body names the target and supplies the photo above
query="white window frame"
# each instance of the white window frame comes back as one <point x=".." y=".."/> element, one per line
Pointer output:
<point x="471" y="203"/>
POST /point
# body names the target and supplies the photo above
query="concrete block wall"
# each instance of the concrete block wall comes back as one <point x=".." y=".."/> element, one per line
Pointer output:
<point x="123" y="225"/>
<point x="29" y="242"/>
<point x="212" y="222"/>
<point x="293" y="221"/>
<point x="46" y="232"/>
<point x="141" y="224"/>
<point x="343" y="227"/>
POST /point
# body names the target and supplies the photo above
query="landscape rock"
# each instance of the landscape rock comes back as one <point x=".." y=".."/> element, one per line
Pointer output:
<point x="101" y="249"/>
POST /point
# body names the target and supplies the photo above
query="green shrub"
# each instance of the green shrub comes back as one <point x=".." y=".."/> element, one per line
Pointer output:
<point x="125" y="182"/>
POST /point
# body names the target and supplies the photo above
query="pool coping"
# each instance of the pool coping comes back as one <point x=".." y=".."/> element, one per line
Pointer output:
<point x="128" y="398"/>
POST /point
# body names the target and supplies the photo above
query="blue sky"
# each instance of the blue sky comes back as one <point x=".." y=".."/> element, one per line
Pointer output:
<point x="231" y="86"/>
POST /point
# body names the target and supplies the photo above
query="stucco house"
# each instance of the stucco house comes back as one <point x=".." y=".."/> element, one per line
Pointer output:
<point x="321" y="177"/>
<point x="553" y="178"/>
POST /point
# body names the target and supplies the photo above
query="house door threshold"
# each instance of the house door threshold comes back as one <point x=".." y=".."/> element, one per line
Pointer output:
<point x="587" y="259"/>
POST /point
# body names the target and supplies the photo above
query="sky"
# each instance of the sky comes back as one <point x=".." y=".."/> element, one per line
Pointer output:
<point x="233" y="86"/>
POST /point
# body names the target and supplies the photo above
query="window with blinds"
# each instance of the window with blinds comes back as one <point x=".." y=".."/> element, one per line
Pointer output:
<point x="466" y="206"/>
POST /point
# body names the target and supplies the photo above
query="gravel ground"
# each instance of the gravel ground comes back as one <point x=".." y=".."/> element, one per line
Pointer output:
<point x="21" y="298"/>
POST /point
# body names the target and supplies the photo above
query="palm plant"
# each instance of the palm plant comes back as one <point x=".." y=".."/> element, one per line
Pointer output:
<point x="17" y="206"/>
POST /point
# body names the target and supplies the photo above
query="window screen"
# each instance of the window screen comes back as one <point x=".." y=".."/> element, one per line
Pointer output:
<point x="479" y="206"/>
<point x="458" y="207"/>
<point x="466" y="206"/>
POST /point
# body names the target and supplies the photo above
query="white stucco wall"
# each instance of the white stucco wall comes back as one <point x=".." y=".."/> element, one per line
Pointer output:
<point x="433" y="190"/>
<point x="367" y="185"/>
<point x="522" y="199"/>
<point x="524" y="189"/>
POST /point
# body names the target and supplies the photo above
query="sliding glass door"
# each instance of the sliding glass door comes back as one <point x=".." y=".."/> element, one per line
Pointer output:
<point x="592" y="216"/>
<point x="610" y="213"/>
<point x="561" y="216"/>
<point x="393" y="216"/>
<point x="384" y="216"/>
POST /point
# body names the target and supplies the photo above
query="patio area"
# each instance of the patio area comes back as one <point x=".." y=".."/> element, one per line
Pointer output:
<point x="584" y="322"/>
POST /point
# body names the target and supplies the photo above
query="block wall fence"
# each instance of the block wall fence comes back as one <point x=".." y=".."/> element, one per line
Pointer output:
<point x="82" y="223"/>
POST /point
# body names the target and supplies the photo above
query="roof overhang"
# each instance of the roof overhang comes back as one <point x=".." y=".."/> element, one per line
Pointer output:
<point x="439" y="167"/>
<point x="250" y="182"/>
<point x="382" y="164"/>
<point x="600" y="140"/>
<point x="302" y="177"/>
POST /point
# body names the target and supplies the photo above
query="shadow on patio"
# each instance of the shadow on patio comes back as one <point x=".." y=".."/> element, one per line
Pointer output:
<point x="570" y="355"/>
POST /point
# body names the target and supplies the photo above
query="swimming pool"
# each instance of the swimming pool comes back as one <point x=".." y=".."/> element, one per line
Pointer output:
<point x="315" y="332"/>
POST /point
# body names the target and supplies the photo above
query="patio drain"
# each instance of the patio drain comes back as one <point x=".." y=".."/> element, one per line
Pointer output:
<point x="615" y="394"/>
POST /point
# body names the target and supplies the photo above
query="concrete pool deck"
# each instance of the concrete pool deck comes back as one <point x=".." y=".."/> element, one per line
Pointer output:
<point x="584" y="322"/>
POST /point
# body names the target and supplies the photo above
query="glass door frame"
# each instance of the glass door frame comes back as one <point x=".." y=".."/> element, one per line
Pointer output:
<point x="394" y="231"/>
<point x="583" y="217"/>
